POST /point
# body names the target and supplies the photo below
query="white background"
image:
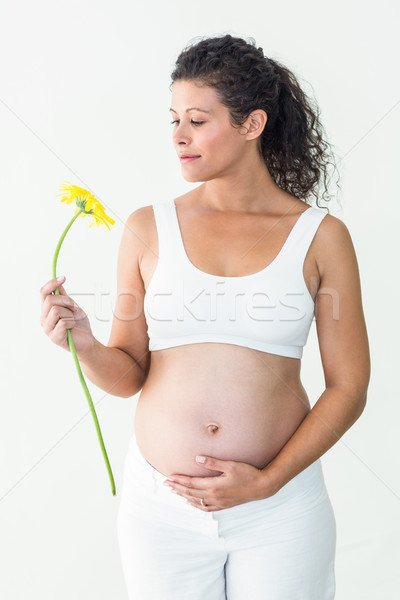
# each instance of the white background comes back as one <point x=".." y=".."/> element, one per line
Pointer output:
<point x="84" y="97"/>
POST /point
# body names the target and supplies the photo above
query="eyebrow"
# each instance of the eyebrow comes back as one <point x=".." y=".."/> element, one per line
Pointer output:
<point x="193" y="108"/>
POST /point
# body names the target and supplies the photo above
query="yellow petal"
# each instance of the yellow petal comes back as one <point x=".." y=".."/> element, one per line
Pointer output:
<point x="85" y="201"/>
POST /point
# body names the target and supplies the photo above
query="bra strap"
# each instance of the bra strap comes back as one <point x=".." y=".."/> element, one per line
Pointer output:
<point x="304" y="234"/>
<point x="167" y="241"/>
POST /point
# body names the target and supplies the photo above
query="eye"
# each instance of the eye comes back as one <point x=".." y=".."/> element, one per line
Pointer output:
<point x="193" y="122"/>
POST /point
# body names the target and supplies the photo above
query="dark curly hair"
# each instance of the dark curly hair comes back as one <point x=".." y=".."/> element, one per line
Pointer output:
<point x="292" y="143"/>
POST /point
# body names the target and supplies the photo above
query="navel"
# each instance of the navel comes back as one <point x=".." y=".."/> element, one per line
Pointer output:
<point x="212" y="428"/>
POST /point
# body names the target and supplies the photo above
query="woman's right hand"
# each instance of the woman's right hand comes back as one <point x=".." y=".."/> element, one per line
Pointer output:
<point x="59" y="314"/>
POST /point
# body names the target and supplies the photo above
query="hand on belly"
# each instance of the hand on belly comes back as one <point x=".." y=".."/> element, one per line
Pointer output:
<point x="238" y="483"/>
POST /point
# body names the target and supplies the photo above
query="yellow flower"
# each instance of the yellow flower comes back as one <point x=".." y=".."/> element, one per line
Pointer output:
<point x="86" y="205"/>
<point x="85" y="202"/>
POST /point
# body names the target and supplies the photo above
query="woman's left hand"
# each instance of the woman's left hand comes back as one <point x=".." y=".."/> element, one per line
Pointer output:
<point x="238" y="483"/>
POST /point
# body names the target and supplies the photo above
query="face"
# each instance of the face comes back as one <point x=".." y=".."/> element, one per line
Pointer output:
<point x="201" y="128"/>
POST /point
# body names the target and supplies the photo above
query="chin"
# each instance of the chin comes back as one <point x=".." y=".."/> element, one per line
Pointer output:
<point x="192" y="178"/>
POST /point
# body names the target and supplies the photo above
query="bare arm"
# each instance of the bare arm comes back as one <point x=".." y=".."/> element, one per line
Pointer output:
<point x="122" y="366"/>
<point x="344" y="348"/>
<point x="112" y="370"/>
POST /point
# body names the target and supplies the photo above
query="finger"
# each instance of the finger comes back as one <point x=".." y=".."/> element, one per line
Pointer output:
<point x="208" y="508"/>
<point x="193" y="482"/>
<point x="190" y="491"/>
<point x="50" y="287"/>
<point x="56" y="314"/>
<point x="58" y="300"/>
<point x="214" y="464"/>
<point x="60" y="329"/>
<point x="59" y="334"/>
<point x="197" y="483"/>
<point x="196" y="500"/>
<point x="62" y="291"/>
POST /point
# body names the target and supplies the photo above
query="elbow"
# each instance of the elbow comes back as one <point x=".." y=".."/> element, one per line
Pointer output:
<point x="355" y="399"/>
<point x="140" y="376"/>
<point x="360" y="404"/>
<point x="139" y="382"/>
<point x="135" y="389"/>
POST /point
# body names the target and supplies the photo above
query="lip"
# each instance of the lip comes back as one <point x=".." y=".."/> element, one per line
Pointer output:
<point x="187" y="158"/>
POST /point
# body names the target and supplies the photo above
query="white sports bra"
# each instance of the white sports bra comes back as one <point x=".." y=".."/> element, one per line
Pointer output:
<point x="270" y="310"/>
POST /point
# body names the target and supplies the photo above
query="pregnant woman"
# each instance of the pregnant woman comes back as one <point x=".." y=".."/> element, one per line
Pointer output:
<point x="223" y="493"/>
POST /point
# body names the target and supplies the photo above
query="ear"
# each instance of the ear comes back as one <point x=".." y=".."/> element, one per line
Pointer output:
<point x="255" y="124"/>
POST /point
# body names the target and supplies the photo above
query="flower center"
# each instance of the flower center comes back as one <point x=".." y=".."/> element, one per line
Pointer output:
<point x="81" y="204"/>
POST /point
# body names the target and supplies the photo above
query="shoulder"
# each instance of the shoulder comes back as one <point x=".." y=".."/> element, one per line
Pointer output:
<point x="140" y="224"/>
<point x="141" y="216"/>
<point x="333" y="244"/>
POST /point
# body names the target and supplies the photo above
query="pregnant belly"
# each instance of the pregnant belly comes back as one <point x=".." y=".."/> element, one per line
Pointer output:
<point x="180" y="415"/>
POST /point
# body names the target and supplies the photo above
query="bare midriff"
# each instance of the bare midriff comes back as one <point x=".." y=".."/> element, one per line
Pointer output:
<point x="216" y="399"/>
<point x="221" y="400"/>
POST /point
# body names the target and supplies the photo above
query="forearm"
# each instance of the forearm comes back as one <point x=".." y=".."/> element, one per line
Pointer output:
<point x="112" y="370"/>
<point x="332" y="415"/>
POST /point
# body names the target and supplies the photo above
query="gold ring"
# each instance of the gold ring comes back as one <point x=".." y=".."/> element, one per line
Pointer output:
<point x="202" y="502"/>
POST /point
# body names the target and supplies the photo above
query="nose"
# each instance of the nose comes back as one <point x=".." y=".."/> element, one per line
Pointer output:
<point x="181" y="134"/>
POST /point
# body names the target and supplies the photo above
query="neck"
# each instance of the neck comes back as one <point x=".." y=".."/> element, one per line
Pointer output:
<point x="247" y="187"/>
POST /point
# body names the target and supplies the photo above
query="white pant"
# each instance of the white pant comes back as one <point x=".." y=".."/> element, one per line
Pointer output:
<point x="278" y="548"/>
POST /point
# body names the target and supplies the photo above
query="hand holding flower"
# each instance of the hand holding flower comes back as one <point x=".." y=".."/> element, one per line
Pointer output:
<point x="65" y="316"/>
<point x="59" y="313"/>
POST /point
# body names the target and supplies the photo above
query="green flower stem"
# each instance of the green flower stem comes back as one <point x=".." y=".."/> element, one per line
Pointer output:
<point x="78" y="367"/>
